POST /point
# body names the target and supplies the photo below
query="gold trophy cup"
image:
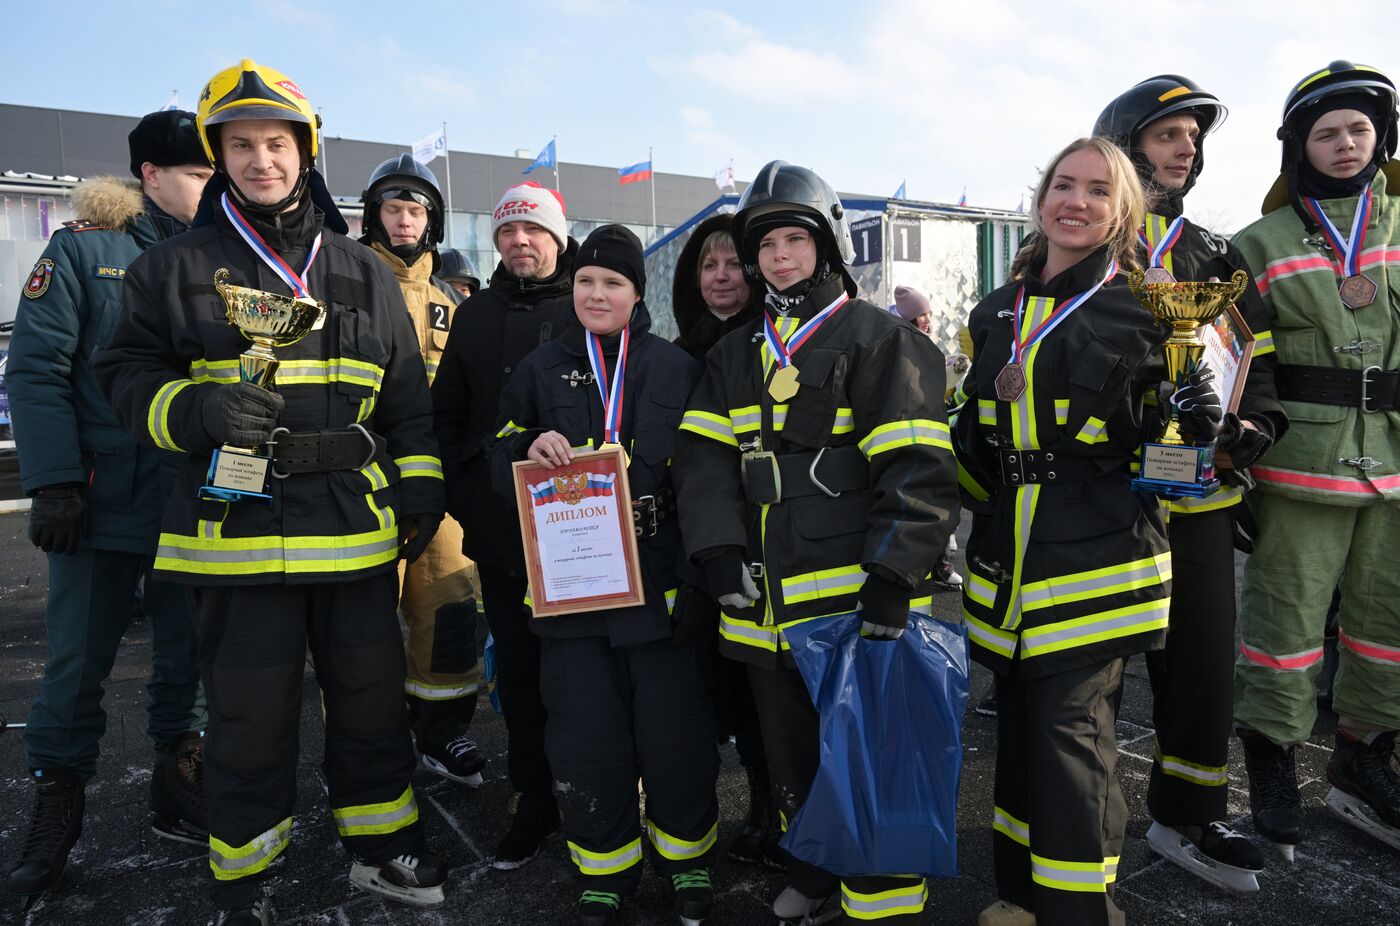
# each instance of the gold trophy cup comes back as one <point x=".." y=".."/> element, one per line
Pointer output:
<point x="1176" y="466"/>
<point x="238" y="474"/>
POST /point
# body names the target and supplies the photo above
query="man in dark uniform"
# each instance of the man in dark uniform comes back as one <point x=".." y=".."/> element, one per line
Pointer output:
<point x="526" y="303"/>
<point x="354" y="485"/>
<point x="97" y="499"/>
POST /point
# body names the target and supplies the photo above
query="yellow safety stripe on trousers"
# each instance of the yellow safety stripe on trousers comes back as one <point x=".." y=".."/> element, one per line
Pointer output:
<point x="510" y="428"/>
<point x="986" y="411"/>
<point x="989" y="637"/>
<point x="1096" y="628"/>
<point x="233" y="556"/>
<point x="1263" y="343"/>
<point x="229" y="863"/>
<point x="1090" y="877"/>
<point x="1092" y="432"/>
<point x="1097" y="583"/>
<point x="377" y="819"/>
<point x="677" y="849"/>
<point x="1013" y="829"/>
<point x="980" y="590"/>
<point x="419" y="465"/>
<point x="900" y="901"/>
<point x="158" y="414"/>
<point x="824" y="583"/>
<point x="913" y="431"/>
<point x="605" y="863"/>
<point x="708" y="424"/>
<point x="1061" y="411"/>
<point x="1223" y="498"/>
<point x="1209" y="776"/>
<point x="426" y="692"/>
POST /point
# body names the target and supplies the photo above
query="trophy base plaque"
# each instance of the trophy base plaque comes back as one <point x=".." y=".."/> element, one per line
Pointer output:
<point x="237" y="475"/>
<point x="1177" y="471"/>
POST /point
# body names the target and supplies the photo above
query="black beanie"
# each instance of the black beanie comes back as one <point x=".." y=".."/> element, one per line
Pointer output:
<point x="616" y="248"/>
<point x="166" y="139"/>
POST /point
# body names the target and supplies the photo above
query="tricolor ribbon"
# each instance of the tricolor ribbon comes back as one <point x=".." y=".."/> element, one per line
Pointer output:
<point x="610" y="391"/>
<point x="781" y="352"/>
<point x="1020" y="345"/>
<point x="1349" y="250"/>
<point x="1157" y="253"/>
<point x="296" y="281"/>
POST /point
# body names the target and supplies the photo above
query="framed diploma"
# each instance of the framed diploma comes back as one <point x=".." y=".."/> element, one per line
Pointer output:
<point x="576" y="526"/>
<point x="1229" y="347"/>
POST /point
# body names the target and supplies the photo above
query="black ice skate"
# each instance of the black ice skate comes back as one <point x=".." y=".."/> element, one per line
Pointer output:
<point x="177" y="792"/>
<point x="258" y="913"/>
<point x="456" y="759"/>
<point x="598" y="908"/>
<point x="759" y="835"/>
<point x="54" y="828"/>
<point x="1003" y="913"/>
<point x="793" y="908"/>
<point x="1365" y="788"/>
<point x="1214" y="853"/>
<point x="410" y="879"/>
<point x="694" y="896"/>
<point x="1274" y="803"/>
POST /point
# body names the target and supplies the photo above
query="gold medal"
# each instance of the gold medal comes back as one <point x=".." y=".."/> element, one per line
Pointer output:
<point x="783" y="386"/>
<point x="1011" y="382"/>
<point x="1357" y="291"/>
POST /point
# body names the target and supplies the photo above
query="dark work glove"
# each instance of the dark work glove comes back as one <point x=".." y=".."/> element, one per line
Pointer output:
<point x="694" y="618"/>
<point x="59" y="518"/>
<point x="1198" y="406"/>
<point x="1244" y="445"/>
<point x="884" y="608"/>
<point x="415" y="533"/>
<point x="728" y="579"/>
<point x="240" y="414"/>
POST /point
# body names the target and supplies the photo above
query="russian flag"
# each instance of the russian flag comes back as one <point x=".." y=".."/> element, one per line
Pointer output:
<point x="635" y="174"/>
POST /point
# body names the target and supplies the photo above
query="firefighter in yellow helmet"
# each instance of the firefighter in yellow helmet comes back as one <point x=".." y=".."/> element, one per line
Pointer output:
<point x="308" y="557"/>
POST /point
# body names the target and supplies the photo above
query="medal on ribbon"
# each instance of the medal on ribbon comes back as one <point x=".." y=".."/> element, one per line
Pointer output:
<point x="296" y="282"/>
<point x="1355" y="289"/>
<point x="1159" y="251"/>
<point x="1011" y="381"/>
<point x="783" y="385"/>
<point x="609" y="389"/>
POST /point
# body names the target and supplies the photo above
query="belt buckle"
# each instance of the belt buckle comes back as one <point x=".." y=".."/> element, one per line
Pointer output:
<point x="272" y="453"/>
<point x="763" y="457"/>
<point x="373" y="450"/>
<point x="645" y="504"/>
<point x="812" y="475"/>
<point x="1366" y="389"/>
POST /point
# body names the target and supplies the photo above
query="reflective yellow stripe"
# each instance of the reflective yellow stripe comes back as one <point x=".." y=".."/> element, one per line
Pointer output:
<point x="980" y="590"/>
<point x="708" y="424"/>
<point x="1010" y="827"/>
<point x="1095" y="628"/>
<point x="824" y="583"/>
<point x="1263" y="343"/>
<point x="845" y="421"/>
<point x="1210" y="776"/>
<point x="158" y="414"/>
<point x="426" y="692"/>
<point x="914" y="431"/>
<point x="1092" y="432"/>
<point x="677" y="849"/>
<point x="748" y="633"/>
<point x="1027" y="497"/>
<point x="670" y="595"/>
<point x="1092" y="877"/>
<point x="510" y="428"/>
<point x="900" y="901"/>
<point x="1097" y="583"/>
<point x="377" y="819"/>
<point x="605" y="863"/>
<point x="419" y="465"/>
<point x="377" y="481"/>
<point x="1222" y="498"/>
<point x="970" y="484"/>
<point x="229" y="863"/>
<point x="295" y="372"/>
<point x="291" y="555"/>
<point x="986" y="411"/>
<point x="1062" y="411"/>
<point x="749" y="417"/>
<point x="989" y="637"/>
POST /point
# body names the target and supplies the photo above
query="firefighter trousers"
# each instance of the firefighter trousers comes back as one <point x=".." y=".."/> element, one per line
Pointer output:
<point x="92" y="595"/>
<point x="438" y="605"/>
<point x="252" y="652"/>
<point x="1301" y="550"/>
<point x="1057" y="830"/>
<point x="791" y="736"/>
<point x="616" y="714"/>
<point x="1192" y="676"/>
<point x="517" y="680"/>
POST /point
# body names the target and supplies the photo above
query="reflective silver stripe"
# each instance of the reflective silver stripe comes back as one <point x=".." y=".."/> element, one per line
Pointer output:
<point x="980" y="590"/>
<point x="385" y="821"/>
<point x="1026" y="498"/>
<point x="871" y="906"/>
<point x="748" y="632"/>
<point x="1092" y="430"/>
<point x="598" y="863"/>
<point x="1009" y="826"/>
<point x="677" y="850"/>
<point x="264" y="847"/>
<point x="986" y="411"/>
<point x="438" y="692"/>
<point x="845" y="421"/>
<point x="1183" y="769"/>
<point x="159" y="416"/>
<point x="1053" y="589"/>
<point x="1041" y="639"/>
<point x="420" y="468"/>
<point x="1048" y="869"/>
<point x="275" y="552"/>
<point x="710" y="425"/>
<point x="745" y="421"/>
<point x="905" y="433"/>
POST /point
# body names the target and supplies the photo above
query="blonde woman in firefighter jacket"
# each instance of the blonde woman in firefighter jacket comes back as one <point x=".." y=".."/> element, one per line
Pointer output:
<point x="1068" y="568"/>
<point x="1328" y="499"/>
<point x="867" y="497"/>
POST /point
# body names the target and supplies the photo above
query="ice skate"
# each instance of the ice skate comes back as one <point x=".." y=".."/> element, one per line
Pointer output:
<point x="456" y="759"/>
<point x="793" y="908"/>
<point x="1214" y="853"/>
<point x="177" y="792"/>
<point x="1274" y="803"/>
<point x="410" y="879"/>
<point x="1002" y="913"/>
<point x="53" y="829"/>
<point x="1365" y="788"/>
<point x="598" y="908"/>
<point x="754" y="844"/>
<point x="693" y="896"/>
<point x="258" y="913"/>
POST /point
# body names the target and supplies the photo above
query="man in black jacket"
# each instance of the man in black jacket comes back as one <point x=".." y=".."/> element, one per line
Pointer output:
<point x="525" y="304"/>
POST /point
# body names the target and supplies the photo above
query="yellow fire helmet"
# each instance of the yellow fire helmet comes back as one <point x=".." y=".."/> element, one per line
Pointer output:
<point x="252" y="91"/>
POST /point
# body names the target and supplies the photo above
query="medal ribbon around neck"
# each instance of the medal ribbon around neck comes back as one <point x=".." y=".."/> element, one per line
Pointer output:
<point x="781" y="352"/>
<point x="1020" y="346"/>
<point x="296" y="281"/>
<point x="610" y="391"/>
<point x="1348" y="250"/>
<point x="1157" y="253"/>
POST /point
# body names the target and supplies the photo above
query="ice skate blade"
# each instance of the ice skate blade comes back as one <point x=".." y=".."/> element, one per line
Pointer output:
<point x="474" y="780"/>
<point x="1356" y="812"/>
<point x="369" y="878"/>
<point x="1181" y="852"/>
<point x="1287" y="850"/>
<point x="179" y="832"/>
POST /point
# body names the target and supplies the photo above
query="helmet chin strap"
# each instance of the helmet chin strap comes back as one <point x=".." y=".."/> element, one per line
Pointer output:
<point x="277" y="208"/>
<point x="785" y="300"/>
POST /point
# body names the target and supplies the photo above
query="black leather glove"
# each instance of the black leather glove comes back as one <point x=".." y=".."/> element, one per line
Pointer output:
<point x="694" y="618"/>
<point x="240" y="414"/>
<point x="59" y="518"/>
<point x="1198" y="407"/>
<point x="415" y="533"/>
<point x="884" y="608"/>
<point x="1244" y="445"/>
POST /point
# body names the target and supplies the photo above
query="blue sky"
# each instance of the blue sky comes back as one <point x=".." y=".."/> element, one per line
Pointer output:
<point x="946" y="95"/>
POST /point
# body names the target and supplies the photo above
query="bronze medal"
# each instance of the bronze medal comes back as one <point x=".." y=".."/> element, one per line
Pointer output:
<point x="1357" y="291"/>
<point x="1011" y="382"/>
<point x="1157" y="275"/>
<point x="783" y="386"/>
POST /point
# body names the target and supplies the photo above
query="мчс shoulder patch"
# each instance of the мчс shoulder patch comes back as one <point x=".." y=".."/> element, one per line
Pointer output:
<point x="109" y="273"/>
<point x="38" y="282"/>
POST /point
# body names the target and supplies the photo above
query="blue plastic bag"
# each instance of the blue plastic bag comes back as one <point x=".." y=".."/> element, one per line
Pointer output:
<point x="885" y="796"/>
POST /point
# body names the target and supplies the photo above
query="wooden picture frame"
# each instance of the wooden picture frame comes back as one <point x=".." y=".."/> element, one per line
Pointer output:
<point x="1230" y="343"/>
<point x="577" y="529"/>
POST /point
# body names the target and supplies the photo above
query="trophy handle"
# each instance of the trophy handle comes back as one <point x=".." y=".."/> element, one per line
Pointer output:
<point x="1136" y="286"/>
<point x="1239" y="282"/>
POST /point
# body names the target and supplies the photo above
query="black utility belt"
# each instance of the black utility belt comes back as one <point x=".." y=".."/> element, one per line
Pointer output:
<point x="648" y="511"/>
<point x="770" y="477"/>
<point x="1043" y="467"/>
<point x="1371" y="390"/>
<point x="296" y="452"/>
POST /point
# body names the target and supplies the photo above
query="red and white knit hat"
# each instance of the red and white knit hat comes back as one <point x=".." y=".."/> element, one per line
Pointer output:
<point x="530" y="202"/>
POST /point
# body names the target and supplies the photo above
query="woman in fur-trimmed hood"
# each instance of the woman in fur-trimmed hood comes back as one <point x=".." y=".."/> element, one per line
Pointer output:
<point x="709" y="295"/>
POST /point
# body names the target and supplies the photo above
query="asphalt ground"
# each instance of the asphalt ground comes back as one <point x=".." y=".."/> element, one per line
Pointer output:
<point x="119" y="873"/>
